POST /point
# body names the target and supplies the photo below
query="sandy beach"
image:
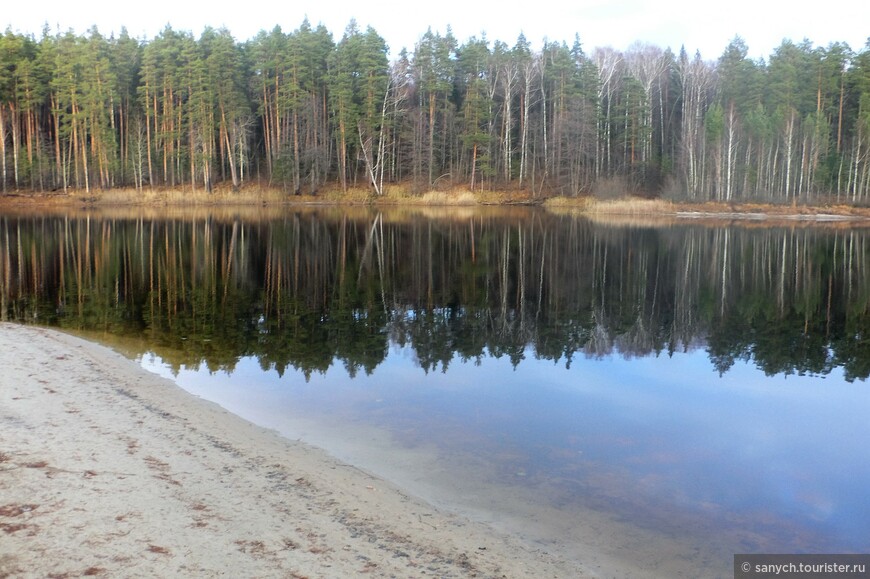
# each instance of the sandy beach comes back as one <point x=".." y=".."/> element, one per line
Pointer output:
<point x="108" y="470"/>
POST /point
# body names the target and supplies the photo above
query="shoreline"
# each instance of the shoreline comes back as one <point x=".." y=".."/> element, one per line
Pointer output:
<point x="109" y="470"/>
<point x="620" y="208"/>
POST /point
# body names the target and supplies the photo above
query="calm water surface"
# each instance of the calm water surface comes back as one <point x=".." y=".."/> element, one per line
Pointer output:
<point x="646" y="400"/>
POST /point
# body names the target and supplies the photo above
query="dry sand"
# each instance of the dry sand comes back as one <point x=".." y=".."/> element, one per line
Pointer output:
<point x="107" y="470"/>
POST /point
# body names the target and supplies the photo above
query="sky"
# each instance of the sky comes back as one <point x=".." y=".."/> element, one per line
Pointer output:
<point x="706" y="27"/>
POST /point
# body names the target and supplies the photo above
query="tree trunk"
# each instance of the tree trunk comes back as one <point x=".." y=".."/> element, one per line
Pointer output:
<point x="371" y="169"/>
<point x="473" y="165"/>
<point x="431" y="137"/>
<point x="731" y="152"/>
<point x="840" y="112"/>
<point x="789" y="146"/>
<point x="342" y="159"/>
<point x="15" y="145"/>
<point x="230" y="156"/>
<point x="148" y="139"/>
<point x="296" y="164"/>
<point x="267" y="133"/>
<point x="2" y="149"/>
<point x="527" y="94"/>
<point x="58" y="157"/>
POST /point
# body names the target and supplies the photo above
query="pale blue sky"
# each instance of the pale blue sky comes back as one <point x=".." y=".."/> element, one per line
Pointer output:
<point x="707" y="27"/>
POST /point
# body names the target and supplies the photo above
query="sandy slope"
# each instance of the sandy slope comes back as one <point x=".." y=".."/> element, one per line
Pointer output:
<point x="106" y="470"/>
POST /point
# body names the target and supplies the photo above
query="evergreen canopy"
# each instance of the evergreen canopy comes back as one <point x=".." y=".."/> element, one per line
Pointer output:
<point x="298" y="110"/>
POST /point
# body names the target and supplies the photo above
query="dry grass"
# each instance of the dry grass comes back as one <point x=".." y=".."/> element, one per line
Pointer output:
<point x="629" y="211"/>
<point x="632" y="206"/>
<point x="260" y="198"/>
<point x="263" y="195"/>
<point x="444" y="198"/>
<point x="184" y="196"/>
<point x="623" y="206"/>
<point x="456" y="196"/>
<point x="660" y="208"/>
<point x="256" y="195"/>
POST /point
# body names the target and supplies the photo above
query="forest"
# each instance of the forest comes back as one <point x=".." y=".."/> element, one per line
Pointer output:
<point x="302" y="112"/>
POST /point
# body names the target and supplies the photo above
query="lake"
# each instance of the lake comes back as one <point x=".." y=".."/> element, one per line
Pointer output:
<point x="646" y="399"/>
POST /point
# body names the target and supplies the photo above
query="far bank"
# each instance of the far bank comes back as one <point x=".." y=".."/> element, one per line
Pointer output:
<point x="615" y="208"/>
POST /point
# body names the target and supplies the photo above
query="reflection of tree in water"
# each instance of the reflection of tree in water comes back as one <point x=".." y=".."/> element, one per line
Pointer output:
<point x="309" y="290"/>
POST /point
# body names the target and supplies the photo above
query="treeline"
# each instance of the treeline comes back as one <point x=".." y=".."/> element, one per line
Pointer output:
<point x="299" y="110"/>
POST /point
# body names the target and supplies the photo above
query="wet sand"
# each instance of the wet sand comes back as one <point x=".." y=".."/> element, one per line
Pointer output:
<point x="108" y="470"/>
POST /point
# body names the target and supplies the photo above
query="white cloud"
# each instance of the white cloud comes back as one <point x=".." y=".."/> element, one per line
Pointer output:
<point x="673" y="24"/>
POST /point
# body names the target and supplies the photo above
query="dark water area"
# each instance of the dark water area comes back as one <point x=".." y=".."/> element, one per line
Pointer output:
<point x="647" y="400"/>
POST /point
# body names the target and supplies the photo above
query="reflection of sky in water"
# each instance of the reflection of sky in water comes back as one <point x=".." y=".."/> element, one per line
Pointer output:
<point x="785" y="457"/>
